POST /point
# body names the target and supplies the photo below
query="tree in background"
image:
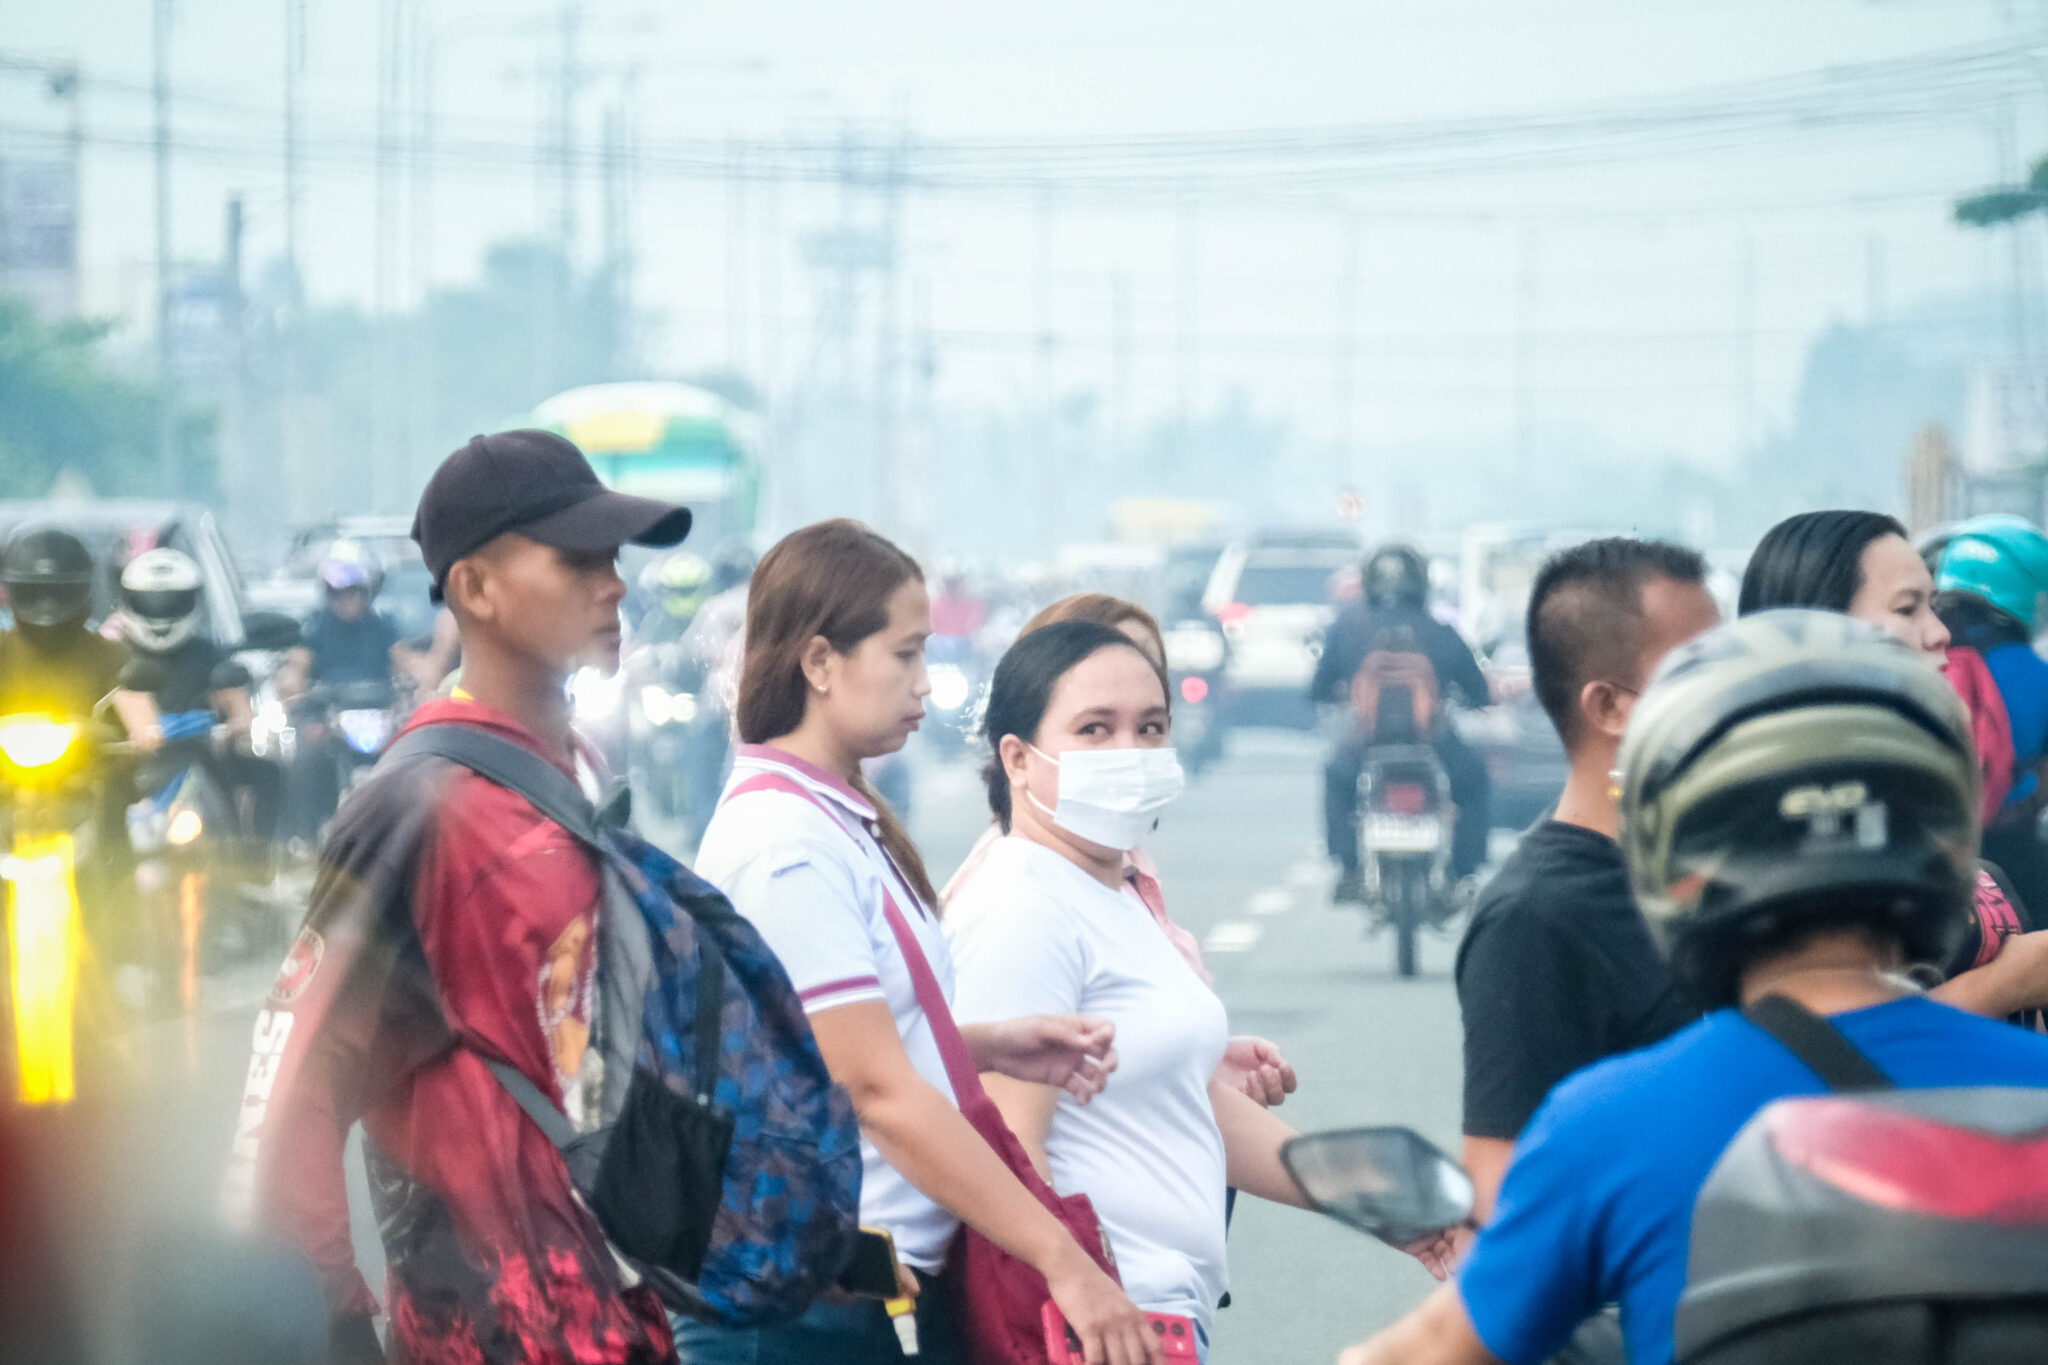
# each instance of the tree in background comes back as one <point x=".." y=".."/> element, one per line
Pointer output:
<point x="66" y="412"/>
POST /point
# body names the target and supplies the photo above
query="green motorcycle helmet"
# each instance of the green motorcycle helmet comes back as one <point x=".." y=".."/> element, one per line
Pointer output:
<point x="2002" y="559"/>
<point x="1792" y="769"/>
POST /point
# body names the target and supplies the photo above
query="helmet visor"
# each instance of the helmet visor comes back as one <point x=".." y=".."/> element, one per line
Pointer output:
<point x="50" y="603"/>
<point x="166" y="604"/>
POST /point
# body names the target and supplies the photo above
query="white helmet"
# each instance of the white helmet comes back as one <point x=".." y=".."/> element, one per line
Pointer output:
<point x="160" y="599"/>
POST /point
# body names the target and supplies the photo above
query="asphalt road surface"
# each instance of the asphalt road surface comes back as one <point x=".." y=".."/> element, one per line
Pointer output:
<point x="1243" y="871"/>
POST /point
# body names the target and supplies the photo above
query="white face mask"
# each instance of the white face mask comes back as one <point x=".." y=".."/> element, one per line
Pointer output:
<point x="1111" y="797"/>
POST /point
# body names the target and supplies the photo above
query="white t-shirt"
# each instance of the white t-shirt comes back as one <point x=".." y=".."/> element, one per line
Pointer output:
<point x="1034" y="934"/>
<point x="816" y="896"/>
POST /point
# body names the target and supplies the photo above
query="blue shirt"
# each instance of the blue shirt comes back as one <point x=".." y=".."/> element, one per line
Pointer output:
<point x="1597" y="1204"/>
<point x="2022" y="678"/>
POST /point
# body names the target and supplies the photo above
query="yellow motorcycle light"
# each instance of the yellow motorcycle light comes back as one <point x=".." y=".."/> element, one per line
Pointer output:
<point x="35" y="741"/>
<point x="45" y="944"/>
<point x="186" y="826"/>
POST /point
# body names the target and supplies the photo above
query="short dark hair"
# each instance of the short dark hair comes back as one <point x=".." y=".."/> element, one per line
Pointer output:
<point x="1812" y="560"/>
<point x="1586" y="616"/>
<point x="1023" y="684"/>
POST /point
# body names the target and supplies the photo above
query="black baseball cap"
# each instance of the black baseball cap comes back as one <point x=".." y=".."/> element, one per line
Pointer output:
<point x="538" y="484"/>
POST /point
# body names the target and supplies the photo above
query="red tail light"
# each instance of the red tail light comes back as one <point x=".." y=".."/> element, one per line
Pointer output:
<point x="1902" y="1161"/>
<point x="1404" y="798"/>
<point x="1193" y="690"/>
<point x="1230" y="613"/>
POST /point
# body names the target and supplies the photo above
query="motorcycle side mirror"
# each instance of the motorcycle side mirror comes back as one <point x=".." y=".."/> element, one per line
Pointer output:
<point x="1391" y="1183"/>
<point x="269" y="630"/>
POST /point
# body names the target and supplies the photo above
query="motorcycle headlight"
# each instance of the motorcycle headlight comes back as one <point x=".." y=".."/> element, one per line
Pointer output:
<point x="950" y="689"/>
<point x="186" y="826"/>
<point x="595" y="695"/>
<point x="365" y="731"/>
<point x="663" y="707"/>
<point x="31" y="742"/>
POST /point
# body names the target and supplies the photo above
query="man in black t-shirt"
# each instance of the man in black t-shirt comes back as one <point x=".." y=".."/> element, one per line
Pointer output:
<point x="1557" y="969"/>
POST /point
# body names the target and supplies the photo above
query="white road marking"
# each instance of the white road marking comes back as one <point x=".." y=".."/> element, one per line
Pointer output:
<point x="1309" y="874"/>
<point x="1276" y="901"/>
<point x="1232" y="937"/>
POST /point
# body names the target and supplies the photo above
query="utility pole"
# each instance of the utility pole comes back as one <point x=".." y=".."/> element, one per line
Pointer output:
<point x="1120" y="375"/>
<point x="1048" y="469"/>
<point x="736" y="342"/>
<point x="290" y="443"/>
<point x="568" y="80"/>
<point x="169" y="469"/>
<point x="1525" y="347"/>
<point x="1187" y="306"/>
<point x="1347" y="357"/>
<point x="1747" y="340"/>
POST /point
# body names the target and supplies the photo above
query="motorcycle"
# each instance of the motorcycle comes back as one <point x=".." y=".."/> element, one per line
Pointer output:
<point x="1197" y="652"/>
<point x="1405" y="813"/>
<point x="189" y="866"/>
<point x="51" y="769"/>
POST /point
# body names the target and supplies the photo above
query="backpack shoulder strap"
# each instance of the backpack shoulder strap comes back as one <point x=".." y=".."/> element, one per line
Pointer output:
<point x="550" y="1120"/>
<point x="1818" y="1043"/>
<point x="553" y="793"/>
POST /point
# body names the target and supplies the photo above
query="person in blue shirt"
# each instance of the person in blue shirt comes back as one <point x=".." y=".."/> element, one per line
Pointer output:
<point x="1800" y="818"/>
<point x="1992" y="587"/>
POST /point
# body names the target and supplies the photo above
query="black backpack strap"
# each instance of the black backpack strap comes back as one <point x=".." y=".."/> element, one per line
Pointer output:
<point x="553" y="792"/>
<point x="538" y="1106"/>
<point x="1818" y="1043"/>
<point x="555" y="795"/>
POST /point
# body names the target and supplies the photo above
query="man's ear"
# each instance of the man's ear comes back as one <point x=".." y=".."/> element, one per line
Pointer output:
<point x="1604" y="708"/>
<point x="464" y="589"/>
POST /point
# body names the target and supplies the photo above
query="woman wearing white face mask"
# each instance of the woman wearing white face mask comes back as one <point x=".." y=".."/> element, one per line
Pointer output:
<point x="1078" y="727"/>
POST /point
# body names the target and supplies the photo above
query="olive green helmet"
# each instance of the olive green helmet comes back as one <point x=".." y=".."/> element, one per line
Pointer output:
<point x="1797" y="767"/>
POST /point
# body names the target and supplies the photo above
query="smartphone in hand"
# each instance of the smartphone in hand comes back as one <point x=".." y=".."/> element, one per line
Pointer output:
<point x="872" y="1273"/>
<point x="1063" y="1347"/>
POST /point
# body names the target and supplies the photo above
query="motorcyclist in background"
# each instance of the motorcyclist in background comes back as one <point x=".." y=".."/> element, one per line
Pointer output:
<point x="1991" y="591"/>
<point x="1395" y="608"/>
<point x="196" y="684"/>
<point x="347" y="641"/>
<point x="50" y="663"/>
<point x="678" y="585"/>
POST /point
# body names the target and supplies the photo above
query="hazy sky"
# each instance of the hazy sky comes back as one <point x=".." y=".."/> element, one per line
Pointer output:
<point x="1663" y="300"/>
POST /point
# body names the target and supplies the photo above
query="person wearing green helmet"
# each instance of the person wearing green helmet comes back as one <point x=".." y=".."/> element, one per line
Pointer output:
<point x="677" y="586"/>
<point x="1992" y="594"/>
<point x="1800" y="817"/>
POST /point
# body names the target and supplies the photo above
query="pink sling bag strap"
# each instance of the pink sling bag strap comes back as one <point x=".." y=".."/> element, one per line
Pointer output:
<point x="960" y="1069"/>
<point x="1001" y="1298"/>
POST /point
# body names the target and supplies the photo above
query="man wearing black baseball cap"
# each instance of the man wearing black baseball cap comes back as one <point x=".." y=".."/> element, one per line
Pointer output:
<point x="496" y="1259"/>
<point x="538" y="485"/>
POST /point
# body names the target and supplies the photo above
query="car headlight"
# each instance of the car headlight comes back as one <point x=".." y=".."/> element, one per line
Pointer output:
<point x="31" y="742"/>
<point x="950" y="688"/>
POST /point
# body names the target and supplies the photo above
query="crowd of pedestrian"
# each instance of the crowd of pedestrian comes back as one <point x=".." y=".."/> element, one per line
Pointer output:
<point x="1041" y="1029"/>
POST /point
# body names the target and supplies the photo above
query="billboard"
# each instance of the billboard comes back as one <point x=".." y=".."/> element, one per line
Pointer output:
<point x="39" y="234"/>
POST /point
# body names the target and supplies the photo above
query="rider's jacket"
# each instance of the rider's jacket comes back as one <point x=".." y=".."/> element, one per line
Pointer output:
<point x="1356" y="631"/>
<point x="58" y="670"/>
<point x="384" y="1012"/>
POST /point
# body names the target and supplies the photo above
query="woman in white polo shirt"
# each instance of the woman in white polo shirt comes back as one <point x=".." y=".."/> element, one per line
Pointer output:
<point x="1079" y="728"/>
<point x="833" y="674"/>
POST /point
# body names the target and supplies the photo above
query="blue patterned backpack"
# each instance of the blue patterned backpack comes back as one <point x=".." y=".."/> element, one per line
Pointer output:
<point x="724" y="1164"/>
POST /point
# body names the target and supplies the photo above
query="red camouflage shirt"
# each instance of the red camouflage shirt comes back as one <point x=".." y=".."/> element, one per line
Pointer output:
<point x="491" y="1257"/>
